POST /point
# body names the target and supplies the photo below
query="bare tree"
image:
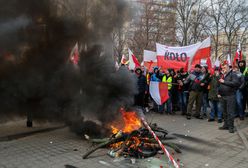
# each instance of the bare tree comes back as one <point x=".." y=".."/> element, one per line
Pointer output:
<point x="155" y="23"/>
<point x="212" y="25"/>
<point x="119" y="42"/>
<point x="184" y="12"/>
<point x="234" y="18"/>
<point x="198" y="19"/>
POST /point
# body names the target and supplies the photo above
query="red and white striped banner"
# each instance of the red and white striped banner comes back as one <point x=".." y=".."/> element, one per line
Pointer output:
<point x="160" y="143"/>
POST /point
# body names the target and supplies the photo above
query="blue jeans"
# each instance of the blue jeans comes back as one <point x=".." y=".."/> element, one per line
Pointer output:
<point x="183" y="98"/>
<point x="239" y="104"/>
<point x="215" y="109"/>
<point x="204" y="103"/>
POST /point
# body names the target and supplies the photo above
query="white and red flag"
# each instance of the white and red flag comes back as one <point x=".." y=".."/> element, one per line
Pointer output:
<point x="159" y="91"/>
<point x="124" y="60"/>
<point x="133" y="61"/>
<point x="150" y="59"/>
<point x="74" y="55"/>
<point x="177" y="57"/>
<point x="217" y="63"/>
<point x="238" y="55"/>
<point x="228" y="59"/>
<point x="210" y="67"/>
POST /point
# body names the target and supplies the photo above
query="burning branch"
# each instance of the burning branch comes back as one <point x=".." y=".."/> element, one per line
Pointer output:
<point x="160" y="143"/>
<point x="134" y="140"/>
<point x="103" y="144"/>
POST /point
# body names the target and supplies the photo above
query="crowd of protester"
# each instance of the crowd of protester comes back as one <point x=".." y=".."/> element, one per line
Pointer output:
<point x="224" y="91"/>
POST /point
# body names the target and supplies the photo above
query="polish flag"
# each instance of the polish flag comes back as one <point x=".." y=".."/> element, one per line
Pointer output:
<point x="238" y="55"/>
<point x="177" y="57"/>
<point x="186" y="66"/>
<point x="217" y="63"/>
<point x="74" y="55"/>
<point x="150" y="59"/>
<point x="210" y="68"/>
<point x="203" y="52"/>
<point x="133" y="61"/>
<point x="228" y="59"/>
<point x="159" y="92"/>
<point x="123" y="60"/>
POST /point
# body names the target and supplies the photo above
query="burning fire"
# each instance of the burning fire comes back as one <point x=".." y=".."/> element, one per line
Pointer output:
<point x="131" y="122"/>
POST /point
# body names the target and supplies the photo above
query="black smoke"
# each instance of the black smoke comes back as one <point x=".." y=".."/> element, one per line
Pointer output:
<point x="36" y="76"/>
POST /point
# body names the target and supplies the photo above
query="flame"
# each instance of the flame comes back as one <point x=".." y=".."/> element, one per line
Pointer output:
<point x="114" y="129"/>
<point x="131" y="122"/>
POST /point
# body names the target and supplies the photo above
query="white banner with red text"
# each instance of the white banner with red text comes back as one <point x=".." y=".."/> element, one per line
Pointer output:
<point x="177" y="57"/>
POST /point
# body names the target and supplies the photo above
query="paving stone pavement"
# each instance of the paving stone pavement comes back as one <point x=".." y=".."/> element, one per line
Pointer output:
<point x="203" y="145"/>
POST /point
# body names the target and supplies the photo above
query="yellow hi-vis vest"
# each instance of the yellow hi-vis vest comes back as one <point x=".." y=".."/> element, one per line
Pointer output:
<point x="245" y="71"/>
<point x="169" y="81"/>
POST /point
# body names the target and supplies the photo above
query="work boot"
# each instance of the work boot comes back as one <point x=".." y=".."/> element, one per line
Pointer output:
<point x="29" y="124"/>
<point x="241" y="118"/>
<point x="188" y="116"/>
<point x="211" y="119"/>
<point x="183" y="113"/>
<point x="219" y="120"/>
<point x="223" y="128"/>
<point x="199" y="117"/>
<point x="231" y="130"/>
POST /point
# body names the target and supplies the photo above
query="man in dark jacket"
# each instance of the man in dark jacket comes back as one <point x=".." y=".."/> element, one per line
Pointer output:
<point x="226" y="92"/>
<point x="195" y="91"/>
<point x="239" y="94"/>
<point x="213" y="97"/>
<point x="142" y="88"/>
<point x="244" y="70"/>
<point x="183" y="90"/>
<point x="205" y="80"/>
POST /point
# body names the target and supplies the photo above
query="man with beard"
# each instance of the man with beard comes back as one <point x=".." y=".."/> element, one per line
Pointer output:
<point x="226" y="92"/>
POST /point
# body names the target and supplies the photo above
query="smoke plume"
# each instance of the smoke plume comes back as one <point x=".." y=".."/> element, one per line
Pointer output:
<point x="36" y="76"/>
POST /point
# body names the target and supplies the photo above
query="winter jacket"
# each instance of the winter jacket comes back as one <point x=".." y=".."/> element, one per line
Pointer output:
<point x="241" y="79"/>
<point x="205" y="80"/>
<point x="230" y="85"/>
<point x="214" y="84"/>
<point x="245" y="73"/>
<point x="142" y="85"/>
<point x="183" y="77"/>
<point x="194" y="80"/>
<point x="156" y="77"/>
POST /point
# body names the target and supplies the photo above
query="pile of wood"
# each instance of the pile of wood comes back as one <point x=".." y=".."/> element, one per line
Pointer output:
<point x="138" y="143"/>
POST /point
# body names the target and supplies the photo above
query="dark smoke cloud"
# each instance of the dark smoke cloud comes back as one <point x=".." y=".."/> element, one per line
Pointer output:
<point x="39" y="79"/>
<point x="13" y="25"/>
